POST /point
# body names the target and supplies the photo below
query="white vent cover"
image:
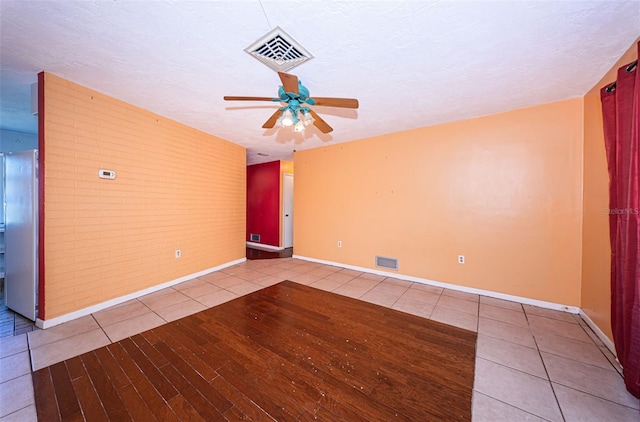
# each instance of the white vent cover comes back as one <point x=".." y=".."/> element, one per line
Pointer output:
<point x="255" y="237"/>
<point x="279" y="51"/>
<point x="390" y="263"/>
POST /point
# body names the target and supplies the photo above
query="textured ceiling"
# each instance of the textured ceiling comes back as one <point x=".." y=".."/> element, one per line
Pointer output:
<point x="410" y="63"/>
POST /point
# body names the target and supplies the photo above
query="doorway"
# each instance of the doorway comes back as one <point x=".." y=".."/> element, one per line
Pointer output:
<point x="18" y="288"/>
<point x="287" y="210"/>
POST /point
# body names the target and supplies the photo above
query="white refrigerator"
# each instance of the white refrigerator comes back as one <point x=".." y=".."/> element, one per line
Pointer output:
<point x="21" y="232"/>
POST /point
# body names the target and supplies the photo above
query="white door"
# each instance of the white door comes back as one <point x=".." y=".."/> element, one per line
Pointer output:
<point x="287" y="209"/>
<point x="21" y="232"/>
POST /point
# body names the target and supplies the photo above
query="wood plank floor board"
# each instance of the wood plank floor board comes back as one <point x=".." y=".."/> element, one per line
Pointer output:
<point x="92" y="409"/>
<point x="153" y="374"/>
<point x="332" y="410"/>
<point x="113" y="370"/>
<point x="192" y="377"/>
<point x="67" y="401"/>
<point x="75" y="368"/>
<point x="242" y="404"/>
<point x="191" y="329"/>
<point x="183" y="410"/>
<point x="218" y="325"/>
<point x="45" y="395"/>
<point x="289" y="384"/>
<point x="109" y="397"/>
<point x="192" y="395"/>
<point x="151" y="397"/>
<point x="198" y="357"/>
<point x="88" y="399"/>
<point x="153" y="336"/>
<point x="155" y="357"/>
<point x="135" y="405"/>
<point x="276" y="404"/>
<point x="288" y="352"/>
<point x="442" y="400"/>
<point x="268" y="370"/>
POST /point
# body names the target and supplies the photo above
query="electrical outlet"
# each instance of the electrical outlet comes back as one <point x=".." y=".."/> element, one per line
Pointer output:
<point x="178" y="253"/>
<point x="460" y="259"/>
<point x="339" y="243"/>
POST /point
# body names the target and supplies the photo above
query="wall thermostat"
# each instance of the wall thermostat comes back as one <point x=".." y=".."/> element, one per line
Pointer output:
<point x="107" y="174"/>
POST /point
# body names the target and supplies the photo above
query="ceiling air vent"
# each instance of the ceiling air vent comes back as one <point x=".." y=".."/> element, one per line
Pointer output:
<point x="390" y="263"/>
<point x="279" y="51"/>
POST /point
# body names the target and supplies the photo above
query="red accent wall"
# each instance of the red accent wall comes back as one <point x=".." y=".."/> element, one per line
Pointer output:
<point x="41" y="270"/>
<point x="263" y="202"/>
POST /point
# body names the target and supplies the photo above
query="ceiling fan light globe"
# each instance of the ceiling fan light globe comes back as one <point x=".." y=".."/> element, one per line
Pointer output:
<point x="287" y="118"/>
<point x="307" y="118"/>
<point x="299" y="127"/>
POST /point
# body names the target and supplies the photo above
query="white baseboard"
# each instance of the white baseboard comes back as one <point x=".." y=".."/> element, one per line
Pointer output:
<point x="263" y="246"/>
<point x="601" y="335"/>
<point x="512" y="298"/>
<point x="48" y="323"/>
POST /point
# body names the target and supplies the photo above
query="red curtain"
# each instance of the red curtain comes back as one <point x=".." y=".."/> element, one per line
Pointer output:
<point x="621" y="116"/>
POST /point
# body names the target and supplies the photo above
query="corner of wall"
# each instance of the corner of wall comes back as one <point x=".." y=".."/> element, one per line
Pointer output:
<point x="595" y="291"/>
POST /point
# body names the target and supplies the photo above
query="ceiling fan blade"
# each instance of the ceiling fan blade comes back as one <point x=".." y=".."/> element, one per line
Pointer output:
<point x="320" y="123"/>
<point x="272" y="120"/>
<point x="336" y="102"/>
<point x="289" y="82"/>
<point x="227" y="98"/>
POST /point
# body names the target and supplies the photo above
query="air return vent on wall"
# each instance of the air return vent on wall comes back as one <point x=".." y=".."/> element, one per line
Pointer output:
<point x="255" y="237"/>
<point x="279" y="51"/>
<point x="390" y="263"/>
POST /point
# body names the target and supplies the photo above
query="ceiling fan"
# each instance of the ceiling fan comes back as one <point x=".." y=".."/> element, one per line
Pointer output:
<point x="295" y="101"/>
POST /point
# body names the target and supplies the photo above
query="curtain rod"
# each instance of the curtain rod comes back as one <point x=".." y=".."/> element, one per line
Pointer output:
<point x="633" y="66"/>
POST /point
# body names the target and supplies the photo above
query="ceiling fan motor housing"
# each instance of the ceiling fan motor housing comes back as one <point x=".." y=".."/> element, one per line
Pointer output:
<point x="302" y="96"/>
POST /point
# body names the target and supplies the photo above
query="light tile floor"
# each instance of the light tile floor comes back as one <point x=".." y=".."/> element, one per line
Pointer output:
<point x="532" y="364"/>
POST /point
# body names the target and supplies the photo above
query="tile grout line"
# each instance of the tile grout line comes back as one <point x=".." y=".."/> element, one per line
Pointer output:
<point x="478" y="325"/>
<point x="597" y="397"/>
<point x="398" y="298"/>
<point x="505" y="340"/>
<point x="30" y="352"/>
<point x="511" y="405"/>
<point x="548" y="378"/>
<point x="600" y="349"/>
<point x="544" y="365"/>
<point x="101" y="328"/>
<point x="434" y="309"/>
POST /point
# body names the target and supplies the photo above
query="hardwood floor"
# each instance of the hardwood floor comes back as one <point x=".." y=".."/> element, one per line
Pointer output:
<point x="254" y="253"/>
<point x="288" y="352"/>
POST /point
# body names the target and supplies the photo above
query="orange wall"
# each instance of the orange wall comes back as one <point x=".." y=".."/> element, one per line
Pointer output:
<point x="596" y="262"/>
<point x="504" y="190"/>
<point x="176" y="188"/>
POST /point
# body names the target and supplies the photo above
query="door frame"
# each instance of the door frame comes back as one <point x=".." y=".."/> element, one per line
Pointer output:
<point x="287" y="222"/>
